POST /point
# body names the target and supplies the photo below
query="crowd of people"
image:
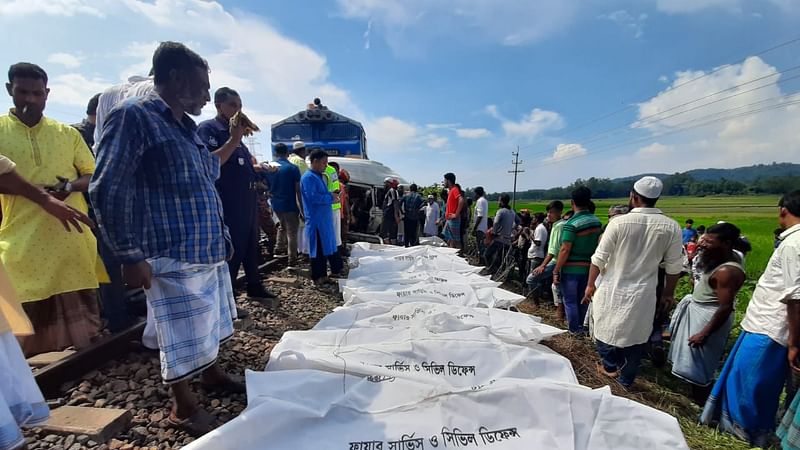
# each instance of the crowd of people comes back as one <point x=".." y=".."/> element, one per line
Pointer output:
<point x="616" y="285"/>
<point x="138" y="195"/>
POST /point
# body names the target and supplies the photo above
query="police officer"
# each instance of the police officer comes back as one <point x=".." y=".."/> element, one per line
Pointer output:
<point x="237" y="187"/>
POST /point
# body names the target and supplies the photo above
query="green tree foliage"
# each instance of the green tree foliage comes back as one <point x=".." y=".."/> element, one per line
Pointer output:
<point x="674" y="185"/>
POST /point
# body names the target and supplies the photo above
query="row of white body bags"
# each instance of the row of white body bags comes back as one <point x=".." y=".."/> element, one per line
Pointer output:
<point x="310" y="409"/>
<point x="466" y="358"/>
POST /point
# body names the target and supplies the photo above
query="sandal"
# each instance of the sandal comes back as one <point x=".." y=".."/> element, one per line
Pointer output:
<point x="196" y="425"/>
<point x="603" y="372"/>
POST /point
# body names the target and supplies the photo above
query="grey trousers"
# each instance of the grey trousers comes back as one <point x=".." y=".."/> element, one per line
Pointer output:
<point x="290" y="222"/>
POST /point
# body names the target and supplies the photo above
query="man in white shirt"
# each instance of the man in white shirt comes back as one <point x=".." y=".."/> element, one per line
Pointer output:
<point x="628" y="256"/>
<point x="135" y="87"/>
<point x="431" y="217"/>
<point x="112" y="294"/>
<point x="745" y="398"/>
<point x="481" y="220"/>
<point x="538" y="248"/>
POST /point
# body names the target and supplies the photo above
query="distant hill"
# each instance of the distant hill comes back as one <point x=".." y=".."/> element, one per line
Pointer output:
<point x="743" y="174"/>
<point x="775" y="178"/>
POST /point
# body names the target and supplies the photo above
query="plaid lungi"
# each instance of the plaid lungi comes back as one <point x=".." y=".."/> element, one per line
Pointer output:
<point x="193" y="307"/>
<point x="69" y="319"/>
<point x="789" y="429"/>
<point x="452" y="230"/>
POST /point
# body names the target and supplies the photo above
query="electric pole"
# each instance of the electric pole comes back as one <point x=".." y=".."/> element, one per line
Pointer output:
<point x="516" y="162"/>
<point x="253" y="145"/>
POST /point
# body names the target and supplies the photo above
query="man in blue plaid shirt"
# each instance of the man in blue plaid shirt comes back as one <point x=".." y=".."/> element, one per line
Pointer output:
<point x="160" y="214"/>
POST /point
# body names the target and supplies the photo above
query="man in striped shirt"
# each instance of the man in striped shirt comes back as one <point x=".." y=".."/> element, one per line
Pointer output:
<point x="579" y="238"/>
<point x="161" y="216"/>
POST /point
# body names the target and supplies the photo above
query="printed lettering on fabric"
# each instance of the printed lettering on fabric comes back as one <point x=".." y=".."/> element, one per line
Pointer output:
<point x="433" y="368"/>
<point x="452" y="438"/>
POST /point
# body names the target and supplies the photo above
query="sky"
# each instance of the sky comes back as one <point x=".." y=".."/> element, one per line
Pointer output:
<point x="584" y="88"/>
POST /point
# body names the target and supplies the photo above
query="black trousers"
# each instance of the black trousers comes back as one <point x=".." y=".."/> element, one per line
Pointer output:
<point x="246" y="251"/>
<point x="319" y="268"/>
<point x="411" y="228"/>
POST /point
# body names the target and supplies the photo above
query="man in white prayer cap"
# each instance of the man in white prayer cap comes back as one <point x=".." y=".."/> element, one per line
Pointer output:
<point x="624" y="303"/>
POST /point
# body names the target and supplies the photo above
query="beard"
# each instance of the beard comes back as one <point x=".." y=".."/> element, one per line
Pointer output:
<point x="191" y="107"/>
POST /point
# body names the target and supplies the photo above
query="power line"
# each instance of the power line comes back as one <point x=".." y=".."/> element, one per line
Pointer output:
<point x="674" y="88"/>
<point x="516" y="162"/>
<point x="692" y="127"/>
<point x="709" y="120"/>
<point x="643" y="121"/>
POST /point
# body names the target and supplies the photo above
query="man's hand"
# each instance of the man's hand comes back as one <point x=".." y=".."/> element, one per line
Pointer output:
<point x="794" y="353"/>
<point x="60" y="195"/>
<point x="587" y="297"/>
<point x="556" y="278"/>
<point x="698" y="340"/>
<point x="68" y="215"/>
<point x="137" y="275"/>
<point x="237" y="132"/>
<point x="537" y="271"/>
<point x="60" y="190"/>
<point x="335" y="195"/>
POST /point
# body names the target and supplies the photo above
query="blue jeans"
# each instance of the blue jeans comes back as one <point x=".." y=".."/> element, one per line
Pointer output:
<point x="573" y="288"/>
<point x="536" y="282"/>
<point x="625" y="360"/>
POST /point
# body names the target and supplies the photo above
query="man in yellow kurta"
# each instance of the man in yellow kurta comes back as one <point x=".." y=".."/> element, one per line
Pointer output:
<point x="21" y="402"/>
<point x="54" y="273"/>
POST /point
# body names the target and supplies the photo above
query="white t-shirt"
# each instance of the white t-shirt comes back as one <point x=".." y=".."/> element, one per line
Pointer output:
<point x="539" y="235"/>
<point x="482" y="211"/>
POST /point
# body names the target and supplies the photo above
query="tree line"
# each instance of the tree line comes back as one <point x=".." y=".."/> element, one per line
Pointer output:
<point x="679" y="184"/>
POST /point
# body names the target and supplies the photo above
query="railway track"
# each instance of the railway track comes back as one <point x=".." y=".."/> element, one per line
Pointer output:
<point x="52" y="377"/>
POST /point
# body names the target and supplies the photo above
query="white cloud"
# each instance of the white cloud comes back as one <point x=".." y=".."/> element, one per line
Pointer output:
<point x="754" y="127"/>
<point x="67" y="60"/>
<point x="442" y="126"/>
<point x="241" y="50"/>
<point x="408" y="25"/>
<point x="624" y="19"/>
<point x="493" y="111"/>
<point x="473" y="133"/>
<point x="390" y="134"/>
<point x="683" y="102"/>
<point x="567" y="151"/>
<point x="531" y="125"/>
<point x="367" y="32"/>
<point x="689" y="6"/>
<point x="654" y="150"/>
<point x="74" y="89"/>
<point x="437" y="142"/>
<point x="730" y="6"/>
<point x="67" y="8"/>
